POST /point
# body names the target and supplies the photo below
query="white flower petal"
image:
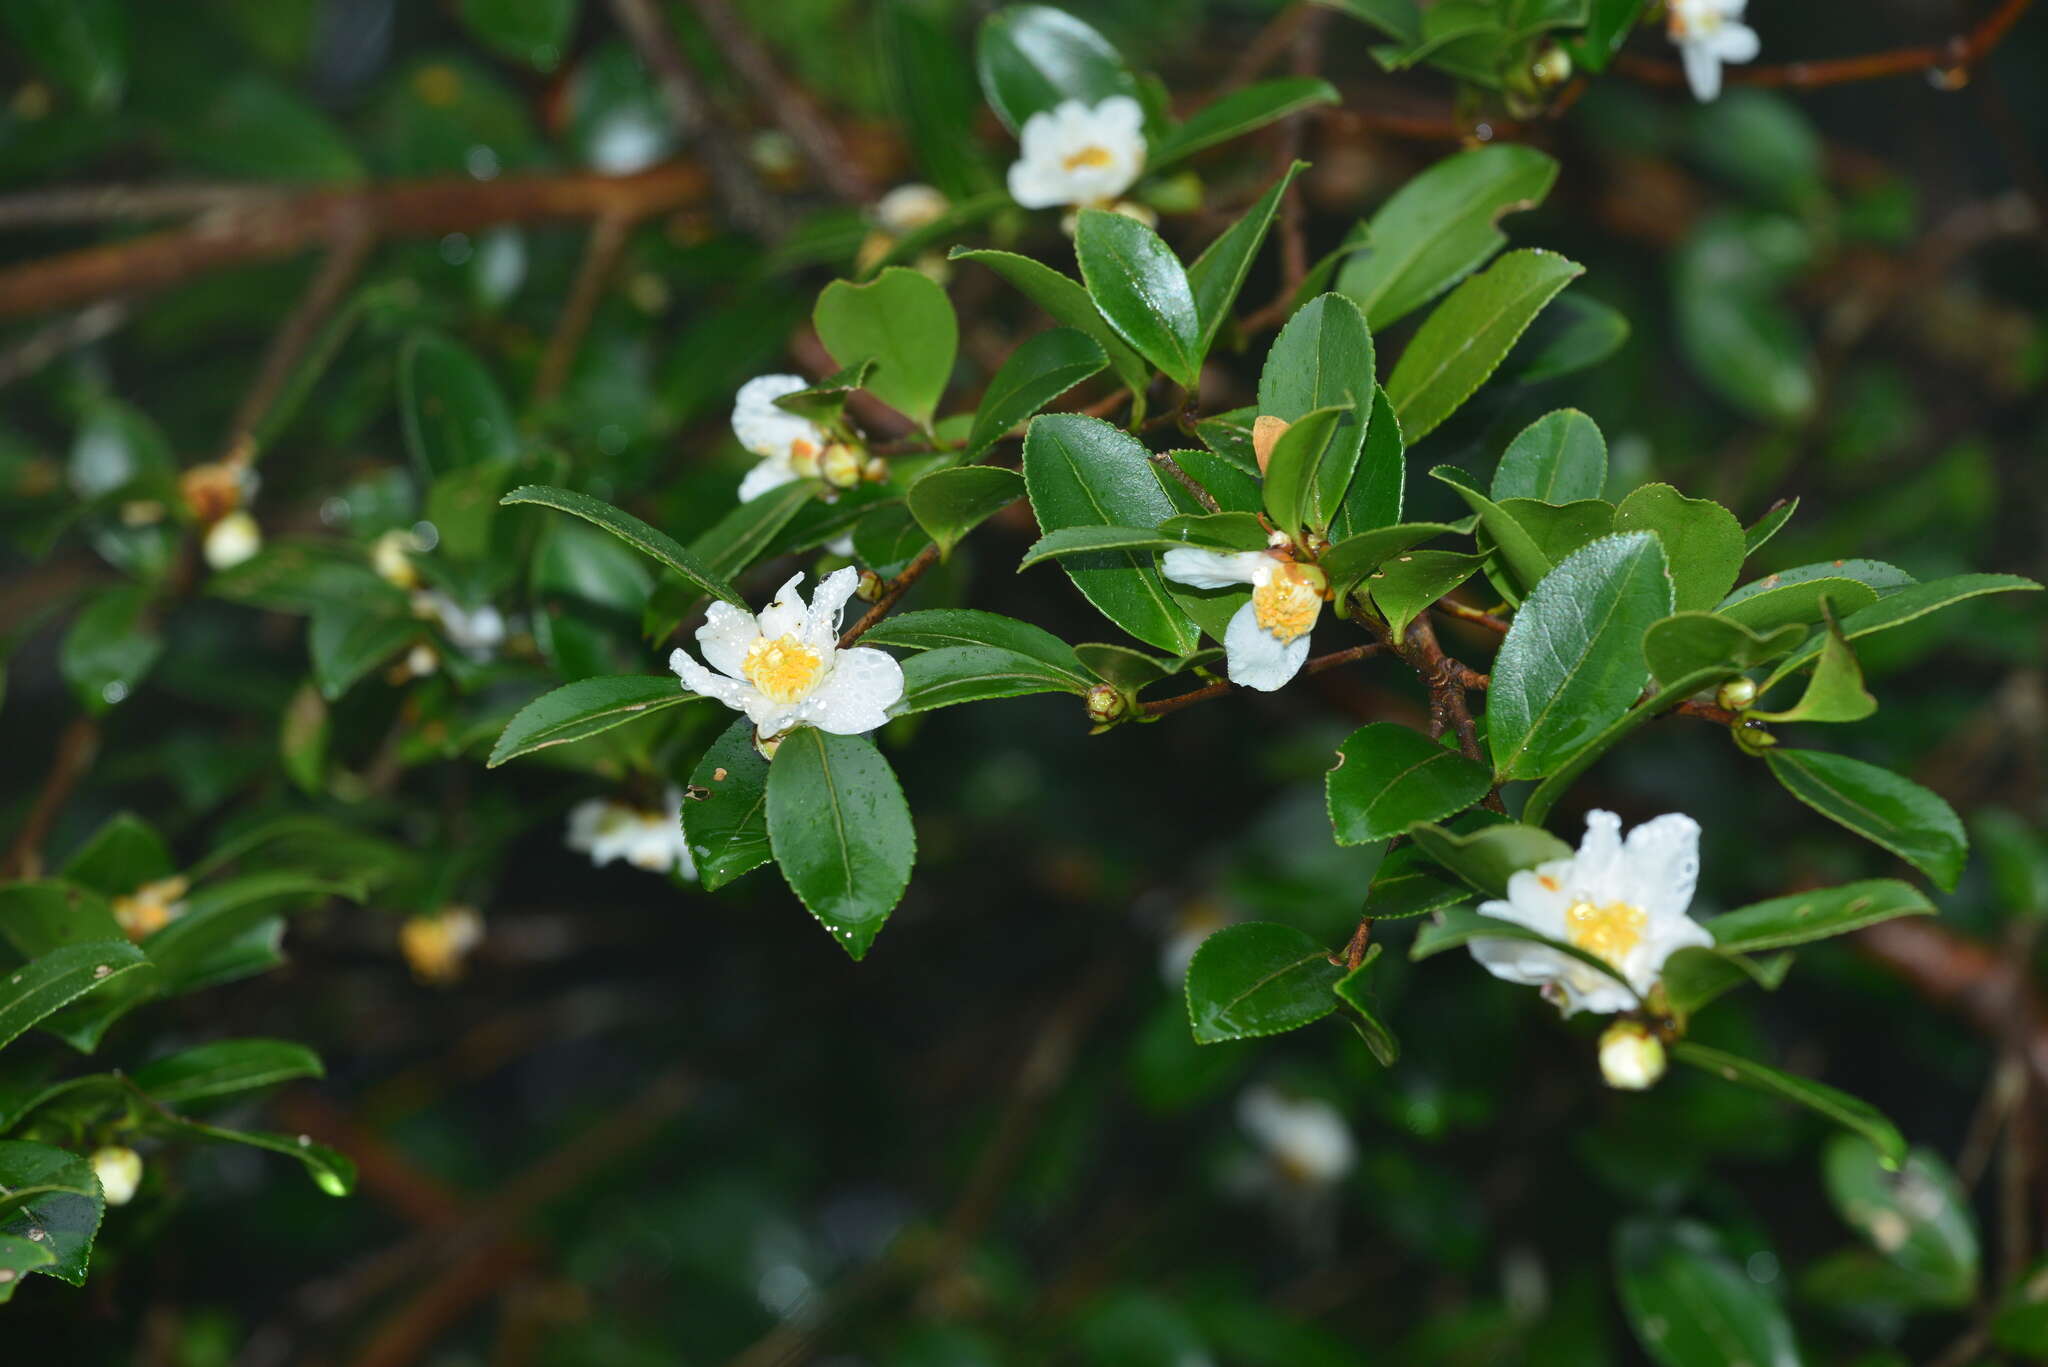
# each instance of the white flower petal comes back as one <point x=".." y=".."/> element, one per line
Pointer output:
<point x="1037" y="184"/>
<point x="1204" y="569"/>
<point x="1662" y="859"/>
<point x="1736" y="43"/>
<point x="725" y="636"/>
<point x="1702" y="71"/>
<point x="771" y="473"/>
<point x="828" y="604"/>
<point x="785" y="616"/>
<point x="857" y="695"/>
<point x="1255" y="658"/>
<point x="1120" y="114"/>
<point x="586" y="819"/>
<point x="738" y="696"/>
<point x="1599" y="874"/>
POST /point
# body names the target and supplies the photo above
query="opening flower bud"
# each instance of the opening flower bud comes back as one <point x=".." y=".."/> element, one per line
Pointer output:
<point x="1107" y="704"/>
<point x="211" y="491"/>
<point x="232" y="540"/>
<point x="876" y="471"/>
<point x="841" y="465"/>
<point x="1737" y="694"/>
<point x="119" y="1169"/>
<point x="1631" y="1056"/>
<point x="1552" y="67"/>
<point x="1266" y="433"/>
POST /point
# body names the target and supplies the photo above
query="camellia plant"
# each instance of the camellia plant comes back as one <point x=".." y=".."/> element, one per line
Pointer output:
<point x="1246" y="496"/>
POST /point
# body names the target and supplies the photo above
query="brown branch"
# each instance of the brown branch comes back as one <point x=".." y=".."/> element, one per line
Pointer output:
<point x="347" y="251"/>
<point x="1987" y="989"/>
<point x="897" y="587"/>
<point x="600" y="258"/>
<point x="1195" y="491"/>
<point x="1450" y="607"/>
<point x="76" y="747"/>
<point x="286" y="227"/>
<point x="1951" y="59"/>
<point x="1159" y="707"/>
<point x="105" y="203"/>
<point x="53" y="339"/>
<point x="790" y="105"/>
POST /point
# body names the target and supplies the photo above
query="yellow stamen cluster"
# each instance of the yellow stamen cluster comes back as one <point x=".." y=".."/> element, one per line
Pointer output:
<point x="149" y="908"/>
<point x="784" y="668"/>
<point x="803" y="457"/>
<point x="1609" y="932"/>
<point x="1091" y="155"/>
<point x="1287" y="600"/>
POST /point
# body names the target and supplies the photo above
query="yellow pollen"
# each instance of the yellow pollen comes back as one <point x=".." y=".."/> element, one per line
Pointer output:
<point x="1287" y="603"/>
<point x="784" y="669"/>
<point x="1610" y="931"/>
<point x="803" y="457"/>
<point x="1091" y="155"/>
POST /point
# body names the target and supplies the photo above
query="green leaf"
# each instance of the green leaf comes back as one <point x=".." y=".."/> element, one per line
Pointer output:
<point x="2022" y="1323"/>
<point x="1695" y="976"/>
<point x="933" y="94"/>
<point x="1440" y="227"/>
<point x="582" y="709"/>
<point x="1556" y="530"/>
<point x="332" y="1172"/>
<point x="1083" y="472"/>
<point x="51" y="913"/>
<point x="1068" y="303"/>
<point x="1467" y="335"/>
<point x="1703" y="542"/>
<point x="1352" y="990"/>
<point x="950" y="503"/>
<point x="19" y="1256"/>
<point x="1513" y="544"/>
<point x="1906" y="605"/>
<point x="1575" y="333"/>
<point x="254" y="127"/>
<point x="1404" y="587"/>
<point x="82" y="44"/>
<point x="1770" y="524"/>
<point x="1219" y="272"/>
<point x="1240" y="112"/>
<point x="1226" y="531"/>
<point x="52" y="980"/>
<point x="1557" y="458"/>
<point x="53" y="1199"/>
<point x="1740" y="337"/>
<point x="111" y="646"/>
<point x="903" y="322"/>
<point x="1410" y="883"/>
<point x="1840" y="1107"/>
<point x="1310" y="466"/>
<point x="1037" y="372"/>
<point x="1139" y="286"/>
<point x="1572" y="662"/>
<point x="1093" y="540"/>
<point x="1608" y="23"/>
<point x="888" y="538"/>
<point x="1486" y="857"/>
<point x="725" y="810"/>
<point x="119" y="857"/>
<point x="1353" y="558"/>
<point x="841" y="832"/>
<point x="1389" y="777"/>
<point x="1701" y="648"/>
<point x="957" y="674"/>
<point x="349" y="639"/>
<point x="736" y="540"/>
<point x="1374" y="499"/>
<point x="1690" y="1305"/>
<point x="1807" y="916"/>
<point x="1915" y="1214"/>
<point x="225" y="1068"/>
<point x="635" y="533"/>
<point x="530" y="31"/>
<point x="454" y="414"/>
<point x="1031" y="57"/>
<point x="217" y="913"/>
<point x="1258" y="978"/>
<point x="1457" y="926"/>
<point x="1884" y="808"/>
<point x="1835" y="693"/>
<point x="938" y="628"/>
<point x="1323" y="359"/>
<point x="824" y="403"/>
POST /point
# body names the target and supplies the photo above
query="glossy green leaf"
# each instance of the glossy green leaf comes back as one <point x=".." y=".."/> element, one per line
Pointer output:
<point x="1770" y="524"/>
<point x="739" y="538"/>
<point x="348" y="639"/>
<point x="225" y="1068"/>
<point x="950" y="503"/>
<point x="1803" y="917"/>
<point x="1843" y="1109"/>
<point x="840" y="831"/>
<point x="111" y="647"/>
<point x="1404" y="587"/>
<point x="1077" y="541"/>
<point x="1225" y="531"/>
<point x="454" y="413"/>
<point x="51" y="1198"/>
<point x="957" y="674"/>
<point x="1915" y="1214"/>
<point x="1031" y="57"/>
<point x="635" y="533"/>
<point x="1572" y="662"/>
<point x="332" y="1171"/>
<point x="82" y="44"/>
<point x="903" y="322"/>
<point x="584" y="708"/>
<point x="1409" y="883"/>
<point x="1703" y="542"/>
<point x="1441" y="226"/>
<point x="1323" y="359"/>
<point x="1258" y="978"/>
<point x="725" y="808"/>
<point x="529" y="31"/>
<point x="1358" y="556"/>
<point x="124" y="853"/>
<point x="1311" y="464"/>
<point x="1377" y="489"/>
<point x="1905" y="605"/>
<point x="1883" y="807"/>
<point x="888" y="538"/>
<point x="1512" y="545"/>
<point x="1691" y="1305"/>
<point x="1557" y="458"/>
<point x="937" y="628"/>
<point x="1068" y="303"/>
<point x="1219" y="272"/>
<point x="1835" y="691"/>
<point x="1468" y="335"/>
<point x="1695" y="976"/>
<point x="1700" y="649"/>
<point x="1389" y="777"/>
<point x="1083" y="472"/>
<point x="1575" y="333"/>
<point x="933" y="93"/>
<point x="1044" y="367"/>
<point x="1487" y="856"/>
<point x="1354" y="990"/>
<point x="1241" y="111"/>
<point x="1141" y="289"/>
<point x="39" y="987"/>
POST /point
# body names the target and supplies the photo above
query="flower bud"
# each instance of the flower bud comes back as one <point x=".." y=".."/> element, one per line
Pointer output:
<point x="119" y="1169"/>
<point x="803" y="458"/>
<point x="766" y="746"/>
<point x="841" y="465"/>
<point x="438" y="946"/>
<point x="391" y="558"/>
<point x="876" y="471"/>
<point x="213" y="490"/>
<point x="1631" y="1056"/>
<point x="1737" y="694"/>
<point x="907" y="208"/>
<point x="1552" y="67"/>
<point x="232" y="540"/>
<point x="871" y="587"/>
<point x="1107" y="704"/>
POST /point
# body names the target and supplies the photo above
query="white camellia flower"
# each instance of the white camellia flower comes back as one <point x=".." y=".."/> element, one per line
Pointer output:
<point x="476" y="632"/>
<point x="1078" y="155"/>
<point x="1624" y="902"/>
<point x="1267" y="639"/>
<point x="785" y="668"/>
<point x="232" y="540"/>
<point x="1708" y="33"/>
<point x="119" y="1169"/>
<point x="789" y="446"/>
<point x="652" y="840"/>
<point x="1307" y="1139"/>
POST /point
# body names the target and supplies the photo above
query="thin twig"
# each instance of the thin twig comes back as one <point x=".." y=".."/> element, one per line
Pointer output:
<point x="1451" y="607"/>
<point x="1952" y="59"/>
<point x="113" y="203"/>
<point x="600" y="258"/>
<point x="897" y="587"/>
<point x="349" y="248"/>
<point x="76" y="747"/>
<point x="60" y="336"/>
<point x="1159" y="707"/>
<point x="1181" y="477"/>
